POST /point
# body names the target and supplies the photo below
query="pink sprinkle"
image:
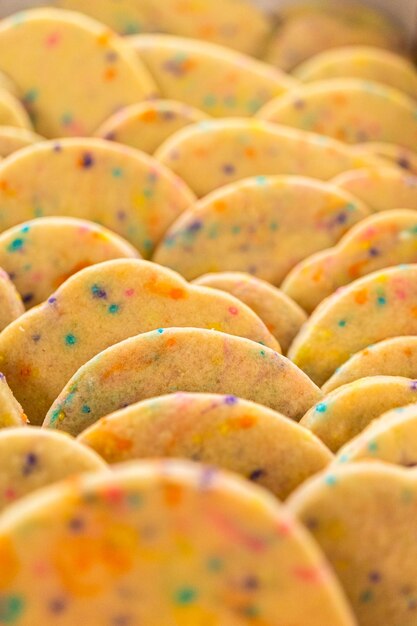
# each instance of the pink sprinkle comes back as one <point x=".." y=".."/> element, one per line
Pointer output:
<point x="39" y="568"/>
<point x="233" y="310"/>
<point x="129" y="292"/>
<point x="284" y="528"/>
<point x="400" y="293"/>
<point x="53" y="40"/>
<point x="10" y="494"/>
<point x="308" y="574"/>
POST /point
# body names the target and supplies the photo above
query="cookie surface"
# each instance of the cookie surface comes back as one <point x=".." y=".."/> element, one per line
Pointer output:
<point x="346" y="411"/>
<point x="180" y="359"/>
<point x="217" y="80"/>
<point x="382" y="188"/>
<point x="41" y="254"/>
<point x="224" y="538"/>
<point x="382" y="240"/>
<point x="225" y="431"/>
<point x="13" y="139"/>
<point x="263" y="226"/>
<point x="11" y="413"/>
<point x="281" y="315"/>
<point x="145" y="126"/>
<point x="32" y="458"/>
<point x="12" y="306"/>
<point x="218" y="152"/>
<point x="12" y="113"/>
<point x="343" y="508"/>
<point x="71" y="71"/>
<point x="370" y="309"/>
<point x="99" y="306"/>
<point x="393" y="357"/>
<point x="121" y="188"/>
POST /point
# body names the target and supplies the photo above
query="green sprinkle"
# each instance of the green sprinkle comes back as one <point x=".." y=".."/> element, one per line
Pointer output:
<point x="372" y="446"/>
<point x="262" y="352"/>
<point x="11" y="608"/>
<point x="330" y="480"/>
<point x="366" y="596"/>
<point x="117" y="172"/>
<point x="15" y="245"/>
<point x="215" y="564"/>
<point x="381" y="301"/>
<point x="113" y="308"/>
<point x="186" y="595"/>
<point x="86" y="409"/>
<point x="160" y="331"/>
<point x="25" y="229"/>
<point x="341" y="323"/>
<point x="70" y="340"/>
<point x="321" y="408"/>
<point x="54" y="416"/>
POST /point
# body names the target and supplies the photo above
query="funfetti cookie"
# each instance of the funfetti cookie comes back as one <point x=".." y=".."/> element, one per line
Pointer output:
<point x="363" y="516"/>
<point x="12" y="306"/>
<point x="394" y="155"/>
<point x="346" y="411"/>
<point x="239" y="24"/>
<point x="282" y="316"/>
<point x="164" y="542"/>
<point x="390" y="438"/>
<point x="382" y="188"/>
<point x="119" y="187"/>
<point x="11" y="412"/>
<point x="180" y="359"/>
<point x="373" y="308"/>
<point x="104" y="304"/>
<point x="225" y="431"/>
<point x="145" y="126"/>
<point x="31" y="458"/>
<point x="309" y="28"/>
<point x="368" y="63"/>
<point x="392" y="357"/>
<point x="71" y="71"/>
<point x="381" y="240"/>
<point x="214" y="153"/>
<point x="263" y="226"/>
<point x="349" y="109"/>
<point x="12" y="113"/>
<point x="217" y="80"/>
<point x="13" y="139"/>
<point x="41" y="254"/>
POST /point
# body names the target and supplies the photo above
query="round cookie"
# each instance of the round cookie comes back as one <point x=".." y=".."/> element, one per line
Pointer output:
<point x="310" y="28"/>
<point x="12" y="113"/>
<point x="180" y="359"/>
<point x="32" y="458"/>
<point x="145" y="126"/>
<point x="390" y="438"/>
<point x="219" y="81"/>
<point x="367" y="63"/>
<point x="393" y="154"/>
<point x="262" y="225"/>
<point x="163" y="543"/>
<point x="71" y="71"/>
<point x="41" y="254"/>
<point x="363" y="516"/>
<point x="349" y="109"/>
<point x="121" y="188"/>
<point x="382" y="188"/>
<point x="214" y="153"/>
<point x="381" y="240"/>
<point x="281" y="315"/>
<point x="239" y="24"/>
<point x="12" y="306"/>
<point x="346" y="411"/>
<point x="11" y="413"/>
<point x="225" y="431"/>
<point x="376" y="307"/>
<point x="13" y="139"/>
<point x="99" y="306"/>
<point x="393" y="357"/>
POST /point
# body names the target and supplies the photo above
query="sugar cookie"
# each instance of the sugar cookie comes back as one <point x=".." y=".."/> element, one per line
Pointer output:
<point x="239" y="24"/>
<point x="145" y="126"/>
<point x="13" y="139"/>
<point x="31" y="458"/>
<point x="219" y="81"/>
<point x="395" y="155"/>
<point x="281" y="315"/>
<point x="72" y="72"/>
<point x="12" y="112"/>
<point x="12" y="306"/>
<point x="391" y="438"/>
<point x="214" y="153"/>
<point x="349" y="110"/>
<point x="121" y="188"/>
<point x="11" y="413"/>
<point x="41" y="254"/>
<point x="363" y="515"/>
<point x="104" y="304"/>
<point x="163" y="543"/>
<point x="346" y="411"/>
<point x="373" y="308"/>
<point x="263" y="226"/>
<point x="180" y="359"/>
<point x="382" y="188"/>
<point x="234" y="434"/>
<point x="381" y="240"/>
<point x="368" y="63"/>
<point x="396" y="356"/>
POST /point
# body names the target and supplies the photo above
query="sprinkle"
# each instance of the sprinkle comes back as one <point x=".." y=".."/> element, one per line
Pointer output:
<point x="321" y="408"/>
<point x="160" y="331"/>
<point x="11" y="608"/>
<point x="372" y="446"/>
<point x="98" y="292"/>
<point x="257" y="474"/>
<point x="230" y="400"/>
<point x="15" y="245"/>
<point x="330" y="480"/>
<point x="87" y="160"/>
<point x="86" y="409"/>
<point x="381" y="300"/>
<point x="233" y="310"/>
<point x="186" y="595"/>
<point x="113" y="308"/>
<point x="228" y="168"/>
<point x="341" y="323"/>
<point x="366" y="596"/>
<point x="117" y="172"/>
<point x="70" y="339"/>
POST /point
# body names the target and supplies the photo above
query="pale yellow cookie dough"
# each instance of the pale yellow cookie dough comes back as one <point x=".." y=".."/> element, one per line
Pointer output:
<point x="11" y="303"/>
<point x="13" y="139"/>
<point x="282" y="316"/>
<point x="11" y="413"/>
<point x="180" y="359"/>
<point x="71" y="71"/>
<point x="225" y="431"/>
<point x="163" y="543"/>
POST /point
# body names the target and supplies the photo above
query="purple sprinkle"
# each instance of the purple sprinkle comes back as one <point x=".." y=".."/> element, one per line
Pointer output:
<point x="121" y="215"/>
<point x="98" y="292"/>
<point x="57" y="147"/>
<point x="2" y="376"/>
<point x="230" y="400"/>
<point x="169" y="115"/>
<point x="311" y="523"/>
<point x="28" y="297"/>
<point x="51" y="300"/>
<point x="413" y="385"/>
<point x="228" y="168"/>
<point x="111" y="57"/>
<point x="76" y="524"/>
<point x="374" y="577"/>
<point x="251" y="582"/>
<point x="207" y="476"/>
<point x="111" y="136"/>
<point x="195" y="226"/>
<point x="404" y="163"/>
<point x="257" y="474"/>
<point x="31" y="461"/>
<point x="341" y="218"/>
<point x="58" y="605"/>
<point x="374" y="251"/>
<point x="87" y="160"/>
<point x="36" y="337"/>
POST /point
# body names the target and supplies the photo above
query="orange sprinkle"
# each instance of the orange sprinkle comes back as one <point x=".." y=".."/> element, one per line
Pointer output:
<point x="220" y="206"/>
<point x="173" y="494"/>
<point x="9" y="562"/>
<point x="171" y="342"/>
<point x="110" y="74"/>
<point x="250" y="152"/>
<point x="244" y="422"/>
<point x="414" y="311"/>
<point x="361" y="296"/>
<point x="177" y="294"/>
<point x="104" y="38"/>
<point x="149" y="116"/>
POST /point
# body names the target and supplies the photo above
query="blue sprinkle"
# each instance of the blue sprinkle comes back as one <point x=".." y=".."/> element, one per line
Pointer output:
<point x="321" y="408"/>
